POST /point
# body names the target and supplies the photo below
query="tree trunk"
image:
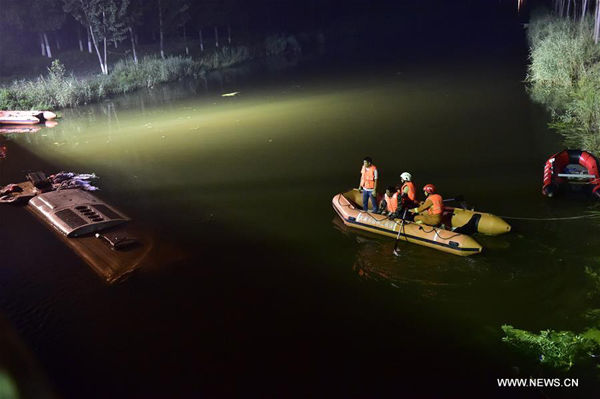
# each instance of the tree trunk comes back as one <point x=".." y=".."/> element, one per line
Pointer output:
<point x="79" y="37"/>
<point x="43" y="46"/>
<point x="201" y="42"/>
<point x="162" y="51"/>
<point x="48" y="52"/>
<point x="105" y="63"/>
<point x="583" y="9"/>
<point x="568" y="8"/>
<point x="229" y="33"/>
<point x="187" y="50"/>
<point x="91" y="33"/>
<point x="57" y="44"/>
<point x="116" y="44"/>
<point x="89" y="41"/>
<point x="135" y="60"/>
<point x="104" y="40"/>
<point x="597" y="22"/>
<point x="560" y="7"/>
<point x="216" y="37"/>
<point x="160" y="24"/>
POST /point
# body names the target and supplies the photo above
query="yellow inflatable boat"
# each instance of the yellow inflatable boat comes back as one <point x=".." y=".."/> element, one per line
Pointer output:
<point x="348" y="205"/>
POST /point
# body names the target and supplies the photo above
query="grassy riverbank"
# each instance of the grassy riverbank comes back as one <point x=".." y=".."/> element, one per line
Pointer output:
<point x="564" y="75"/>
<point x="61" y="88"/>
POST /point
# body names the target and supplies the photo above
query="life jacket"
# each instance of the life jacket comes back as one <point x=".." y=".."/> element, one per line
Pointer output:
<point x="367" y="179"/>
<point x="391" y="202"/>
<point x="412" y="194"/>
<point x="438" y="206"/>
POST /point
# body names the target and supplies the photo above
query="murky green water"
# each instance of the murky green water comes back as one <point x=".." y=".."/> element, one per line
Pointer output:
<point x="276" y="295"/>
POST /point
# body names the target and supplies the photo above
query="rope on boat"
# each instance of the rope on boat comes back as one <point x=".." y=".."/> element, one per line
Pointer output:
<point x="433" y="228"/>
<point x="549" y="219"/>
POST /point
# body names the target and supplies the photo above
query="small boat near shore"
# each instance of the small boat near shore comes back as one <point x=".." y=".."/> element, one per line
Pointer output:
<point x="25" y="117"/>
<point x="348" y="206"/>
<point x="571" y="171"/>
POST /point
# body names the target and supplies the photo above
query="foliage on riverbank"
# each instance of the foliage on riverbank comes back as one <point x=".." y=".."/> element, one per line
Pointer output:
<point x="278" y="44"/>
<point x="564" y="75"/>
<point x="557" y="349"/>
<point x="60" y="89"/>
<point x="563" y="349"/>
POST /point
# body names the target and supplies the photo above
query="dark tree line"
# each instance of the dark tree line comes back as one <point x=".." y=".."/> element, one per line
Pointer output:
<point x="97" y="25"/>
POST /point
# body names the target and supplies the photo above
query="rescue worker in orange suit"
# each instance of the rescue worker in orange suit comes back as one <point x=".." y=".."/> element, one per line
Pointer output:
<point x="368" y="184"/>
<point x="407" y="192"/>
<point x="434" y="206"/>
<point x="389" y="204"/>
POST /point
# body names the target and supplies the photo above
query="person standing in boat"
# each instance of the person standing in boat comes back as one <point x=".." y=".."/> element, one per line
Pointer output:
<point x="389" y="204"/>
<point x="434" y="206"/>
<point x="407" y="191"/>
<point x="368" y="184"/>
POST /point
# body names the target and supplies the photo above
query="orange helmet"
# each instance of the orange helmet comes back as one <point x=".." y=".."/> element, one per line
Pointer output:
<point x="429" y="188"/>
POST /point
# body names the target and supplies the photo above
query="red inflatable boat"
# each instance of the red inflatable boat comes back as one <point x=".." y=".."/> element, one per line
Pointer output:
<point x="571" y="170"/>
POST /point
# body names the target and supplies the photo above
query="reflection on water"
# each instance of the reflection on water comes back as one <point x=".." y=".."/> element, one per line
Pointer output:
<point x="430" y="278"/>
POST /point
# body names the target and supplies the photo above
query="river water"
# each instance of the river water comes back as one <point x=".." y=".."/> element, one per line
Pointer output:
<point x="275" y="298"/>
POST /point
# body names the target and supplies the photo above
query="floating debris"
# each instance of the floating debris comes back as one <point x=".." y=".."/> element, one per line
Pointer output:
<point x="67" y="180"/>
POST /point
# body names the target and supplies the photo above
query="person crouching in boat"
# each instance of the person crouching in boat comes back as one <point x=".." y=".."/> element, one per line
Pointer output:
<point x="368" y="184"/>
<point x="434" y="206"/>
<point x="389" y="204"/>
<point x="407" y="191"/>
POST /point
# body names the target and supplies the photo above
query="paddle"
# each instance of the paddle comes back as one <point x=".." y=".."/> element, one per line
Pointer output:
<point x="399" y="231"/>
<point x="458" y="198"/>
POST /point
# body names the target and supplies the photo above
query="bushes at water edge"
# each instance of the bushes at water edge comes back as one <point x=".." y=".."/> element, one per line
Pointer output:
<point x="59" y="89"/>
<point x="564" y="75"/>
<point x="564" y="349"/>
<point x="558" y="349"/>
